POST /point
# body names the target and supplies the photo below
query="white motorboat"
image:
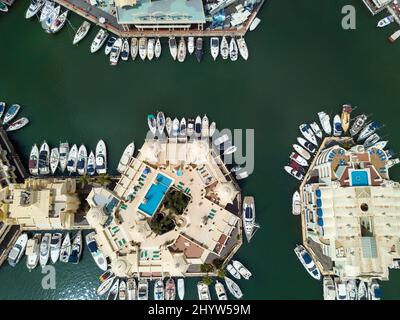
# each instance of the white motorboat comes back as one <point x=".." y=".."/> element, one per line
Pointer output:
<point x="105" y="286"/>
<point x="159" y="290"/>
<point x="170" y="289"/>
<point x="34" y="8"/>
<point x="82" y="31"/>
<point x="55" y="247"/>
<point x="52" y="17"/>
<point x="307" y="262"/>
<point x="190" y="127"/>
<point x="91" y="164"/>
<point x="213" y="128"/>
<point x="182" y="128"/>
<point x="244" y="272"/>
<point x="191" y="45"/>
<point x="230" y="150"/>
<point x="126" y="157"/>
<point x="54" y="159"/>
<point x="351" y="288"/>
<point x="109" y="44"/>
<point x="220" y="291"/>
<point x="18" y="124"/>
<point x="125" y="52"/>
<point x="299" y="159"/>
<point x="371" y="140"/>
<point x="296" y="203"/>
<point x="116" y="52"/>
<point x="233" y="271"/>
<point x="224" y="48"/>
<point x="308" y="133"/>
<point x="203" y="291"/>
<point x="233" y="50"/>
<point x="113" y="292"/>
<point x="341" y="291"/>
<point x="34" y="160"/>
<point x="44" y="159"/>
<point x="143" y="289"/>
<point x="302" y="152"/>
<point x="244" y="52"/>
<point x="66" y="248"/>
<point x="233" y="288"/>
<point x="249" y="216"/>
<point x="134" y="48"/>
<point x="368" y="130"/>
<point x="95" y="251"/>
<point x="199" y="49"/>
<point x="329" y="288"/>
<point x="157" y="48"/>
<point x="173" y="48"/>
<point x="254" y="24"/>
<point x="106" y="275"/>
<point x="362" y="291"/>
<point x="17" y="250"/>
<point x="347" y="109"/>
<point x="47" y="9"/>
<point x="72" y="159"/>
<point x="63" y="152"/>
<point x="33" y="251"/>
<point x="205" y="127"/>
<point x="45" y="249"/>
<point x="160" y="122"/>
<point x="375" y="292"/>
<point x="150" y="49"/>
<point x="315" y="127"/>
<point x="181" y="288"/>
<point x="99" y="40"/>
<point x="81" y="164"/>
<point x="11" y="113"/>
<point x="214" y="44"/>
<point x="380" y="144"/>
<point x="222" y="139"/>
<point x="76" y="251"/>
<point x="132" y="289"/>
<point x="168" y="126"/>
<point x="325" y="121"/>
<point x="337" y="126"/>
<point x="122" y="294"/>
<point x="358" y="124"/>
<point x="175" y="127"/>
<point x="152" y="123"/>
<point x="197" y="127"/>
<point x="385" y="21"/>
<point x="306" y="145"/>
<point x="101" y="158"/>
<point x="390" y="163"/>
<point x="294" y="173"/>
<point x="181" y="50"/>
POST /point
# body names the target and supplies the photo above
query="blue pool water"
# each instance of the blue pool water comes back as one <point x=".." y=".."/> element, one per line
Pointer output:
<point x="359" y="178"/>
<point x="155" y="195"/>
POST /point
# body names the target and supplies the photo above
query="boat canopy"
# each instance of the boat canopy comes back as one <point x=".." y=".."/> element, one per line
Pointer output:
<point x="92" y="246"/>
<point x="319" y="203"/>
<point x="307" y="258"/>
<point x="318" y="193"/>
<point x="320" y="222"/>
<point x="319" y="212"/>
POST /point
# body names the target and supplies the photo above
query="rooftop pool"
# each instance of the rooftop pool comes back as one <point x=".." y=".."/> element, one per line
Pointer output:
<point x="156" y="193"/>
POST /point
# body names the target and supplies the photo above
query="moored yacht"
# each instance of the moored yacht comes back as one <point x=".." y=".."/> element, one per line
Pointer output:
<point x="116" y="52"/>
<point x="358" y="124"/>
<point x="301" y="151"/>
<point x="101" y="158"/>
<point x="150" y="49"/>
<point x="66" y="248"/>
<point x="91" y="164"/>
<point x="395" y="35"/>
<point x="173" y="49"/>
<point x="233" y="288"/>
<point x="47" y="9"/>
<point x="337" y="126"/>
<point x="375" y="292"/>
<point x="233" y="50"/>
<point x="159" y="290"/>
<point x="345" y="116"/>
<point x="109" y="44"/>
<point x="224" y="48"/>
<point x="45" y="249"/>
<point x="294" y="172"/>
<point x="244" y="272"/>
<point x="329" y="288"/>
<point x="205" y="132"/>
<point x="34" y="160"/>
<point x="233" y="271"/>
<point x="157" y="48"/>
<point x="199" y="49"/>
<point x="143" y="290"/>
<point x="214" y="45"/>
<point x="220" y="291"/>
<point x="296" y="203"/>
<point x="368" y="130"/>
<point x="33" y="251"/>
<point x="191" y="45"/>
<point x="131" y="288"/>
<point x="307" y="262"/>
<point x="325" y="121"/>
<point x="126" y="157"/>
<point x="122" y="294"/>
<point x="44" y="159"/>
<point x="134" y="48"/>
<point x="341" y="291"/>
<point x="11" y="113"/>
<point x="160" y="122"/>
<point x="81" y="164"/>
<point x="82" y="32"/>
<point x="99" y="40"/>
<point x="244" y="52"/>
<point x="170" y="289"/>
<point x="54" y="159"/>
<point x="95" y="251"/>
<point x="362" y="291"/>
<point x="59" y="22"/>
<point x="143" y="48"/>
<point x="152" y="123"/>
<point x="351" y="288"/>
<point x="17" y="250"/>
<point x="308" y="133"/>
<point x="306" y="145"/>
<point x="385" y="21"/>
<point x="203" y="291"/>
<point x="249" y="217"/>
<point x="168" y="126"/>
<point x="315" y="127"/>
<point x="299" y="159"/>
<point x="55" y="246"/>
<point x="72" y="159"/>
<point x="34" y="8"/>
<point x="181" y="50"/>
<point x="125" y="50"/>
<point x="76" y="249"/>
<point x="181" y="288"/>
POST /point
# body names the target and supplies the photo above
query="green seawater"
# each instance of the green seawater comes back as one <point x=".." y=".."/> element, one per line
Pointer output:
<point x="301" y="61"/>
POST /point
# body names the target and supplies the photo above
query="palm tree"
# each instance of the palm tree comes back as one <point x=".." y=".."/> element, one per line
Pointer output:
<point x="103" y="179"/>
<point x="84" y="180"/>
<point x="207" y="281"/>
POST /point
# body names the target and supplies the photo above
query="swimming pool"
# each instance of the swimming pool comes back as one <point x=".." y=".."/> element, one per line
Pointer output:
<point x="359" y="178"/>
<point x="156" y="193"/>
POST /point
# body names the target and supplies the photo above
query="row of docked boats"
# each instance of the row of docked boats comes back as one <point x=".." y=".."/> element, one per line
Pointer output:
<point x="353" y="289"/>
<point x="43" y="161"/>
<point x="9" y="114"/>
<point x="203" y="290"/>
<point x="52" y="247"/>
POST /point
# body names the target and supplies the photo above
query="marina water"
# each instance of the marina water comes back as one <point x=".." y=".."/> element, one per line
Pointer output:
<point x="301" y="61"/>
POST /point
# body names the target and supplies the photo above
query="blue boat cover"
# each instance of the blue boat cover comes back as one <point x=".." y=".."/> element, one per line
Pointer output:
<point x="319" y="203"/>
<point x="319" y="212"/>
<point x="318" y="193"/>
<point x="307" y="258"/>
<point x="320" y="222"/>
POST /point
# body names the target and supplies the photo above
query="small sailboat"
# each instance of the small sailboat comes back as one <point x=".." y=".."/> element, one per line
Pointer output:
<point x="197" y="127"/>
<point x="122" y="295"/>
<point x="33" y="251"/>
<point x="325" y="121"/>
<point x="203" y="291"/>
<point x="157" y="48"/>
<point x="143" y="289"/>
<point x="47" y="9"/>
<point x="76" y="248"/>
<point x="337" y="126"/>
<point x="134" y="48"/>
<point x="81" y="164"/>
<point x="254" y="24"/>
<point x="233" y="288"/>
<point x="126" y="157"/>
<point x="17" y="250"/>
<point x="299" y="159"/>
<point x="44" y="158"/>
<point x="315" y="127"/>
<point x="181" y="288"/>
<point x="191" y="45"/>
<point x="308" y="133"/>
<point x="159" y="290"/>
<point x="233" y="50"/>
<point x="233" y="271"/>
<point x="11" y="113"/>
<point x="294" y="173"/>
<point x="244" y="272"/>
<point x="214" y="44"/>
<point x="244" y="52"/>
<point x="175" y="127"/>
<point x="116" y="52"/>
<point x="101" y="157"/>
<point x="34" y="160"/>
<point x="132" y="289"/>
<point x="45" y="249"/>
<point x="152" y="123"/>
<point x="81" y="33"/>
<point x="55" y="246"/>
<point x="224" y="48"/>
<point x="54" y="159"/>
<point x="385" y="21"/>
<point x="170" y="289"/>
<point x="307" y="262"/>
<point x="109" y="45"/>
<point x="301" y="151"/>
<point x="173" y="49"/>
<point x="66" y="248"/>
<point x="150" y="49"/>
<point x="113" y="293"/>
<point x="345" y="117"/>
<point x="125" y="50"/>
<point x="18" y="124"/>
<point x="72" y="159"/>
<point x="52" y="17"/>
<point x="160" y="122"/>
<point x="358" y="124"/>
<point x="91" y="164"/>
<point x="181" y="50"/>
<point x="96" y="253"/>
<point x="306" y="145"/>
<point x="99" y="40"/>
<point x="220" y="291"/>
<point x="64" y="152"/>
<point x="205" y="127"/>
<point x="182" y="128"/>
<point x="199" y="49"/>
<point x="34" y="8"/>
<point x="168" y="126"/>
<point x="105" y="286"/>
<point x="296" y="203"/>
<point x="59" y="22"/>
